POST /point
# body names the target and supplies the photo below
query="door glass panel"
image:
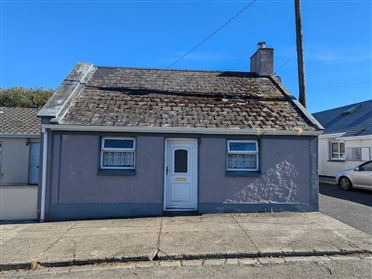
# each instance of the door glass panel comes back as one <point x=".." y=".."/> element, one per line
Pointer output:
<point x="180" y="161"/>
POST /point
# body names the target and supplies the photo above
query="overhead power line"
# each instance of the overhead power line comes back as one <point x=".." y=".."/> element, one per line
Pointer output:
<point x="212" y="34"/>
<point x="282" y="66"/>
<point x="341" y="85"/>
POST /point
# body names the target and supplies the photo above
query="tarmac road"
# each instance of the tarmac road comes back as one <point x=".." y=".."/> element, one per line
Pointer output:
<point x="350" y="207"/>
<point x="298" y="267"/>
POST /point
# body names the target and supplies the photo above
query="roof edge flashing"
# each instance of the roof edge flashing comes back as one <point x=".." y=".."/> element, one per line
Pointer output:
<point x="79" y="75"/>
<point x="293" y="99"/>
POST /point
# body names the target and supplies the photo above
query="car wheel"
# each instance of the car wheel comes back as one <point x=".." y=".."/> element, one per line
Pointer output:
<point x="345" y="183"/>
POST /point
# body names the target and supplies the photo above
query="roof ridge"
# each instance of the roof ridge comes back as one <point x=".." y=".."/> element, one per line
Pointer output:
<point x="179" y="70"/>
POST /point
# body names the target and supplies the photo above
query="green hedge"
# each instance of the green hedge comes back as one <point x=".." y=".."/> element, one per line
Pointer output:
<point x="24" y="97"/>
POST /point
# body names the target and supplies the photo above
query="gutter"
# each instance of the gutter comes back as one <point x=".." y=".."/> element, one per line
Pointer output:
<point x="334" y="135"/>
<point x="355" y="137"/>
<point x="28" y="136"/>
<point x="181" y="130"/>
<point x="43" y="175"/>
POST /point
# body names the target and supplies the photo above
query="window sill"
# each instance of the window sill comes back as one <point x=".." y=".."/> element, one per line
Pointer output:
<point x="116" y="172"/>
<point x="243" y="173"/>
<point x="336" y="160"/>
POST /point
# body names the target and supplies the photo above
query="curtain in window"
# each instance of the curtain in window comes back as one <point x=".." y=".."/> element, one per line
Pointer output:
<point x="118" y="159"/>
<point x="242" y="161"/>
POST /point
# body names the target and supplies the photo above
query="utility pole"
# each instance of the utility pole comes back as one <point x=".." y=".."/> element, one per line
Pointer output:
<point x="300" y="54"/>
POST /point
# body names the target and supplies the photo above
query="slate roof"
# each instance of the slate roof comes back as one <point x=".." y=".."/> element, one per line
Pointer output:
<point x="353" y="120"/>
<point x="19" y="121"/>
<point x="134" y="97"/>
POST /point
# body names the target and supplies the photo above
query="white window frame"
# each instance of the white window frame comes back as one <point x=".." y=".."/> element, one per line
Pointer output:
<point x="257" y="152"/>
<point x="106" y="149"/>
<point x="339" y="151"/>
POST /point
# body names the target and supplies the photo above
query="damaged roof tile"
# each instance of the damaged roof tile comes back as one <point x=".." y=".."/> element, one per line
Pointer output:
<point x="132" y="97"/>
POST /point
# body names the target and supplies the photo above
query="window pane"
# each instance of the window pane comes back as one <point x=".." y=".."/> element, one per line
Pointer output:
<point x="243" y="146"/>
<point x="335" y="155"/>
<point x="180" y="161"/>
<point x="118" y="159"/>
<point x="242" y="161"/>
<point x="342" y="150"/>
<point x="334" y="147"/>
<point x="342" y="147"/>
<point x="335" y="151"/>
<point x="117" y="143"/>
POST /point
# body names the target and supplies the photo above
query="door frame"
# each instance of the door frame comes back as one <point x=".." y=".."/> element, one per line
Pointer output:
<point x="195" y="172"/>
<point x="32" y="143"/>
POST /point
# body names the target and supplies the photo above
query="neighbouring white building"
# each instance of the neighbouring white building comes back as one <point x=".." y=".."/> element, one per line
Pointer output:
<point x="347" y="138"/>
<point x="19" y="163"/>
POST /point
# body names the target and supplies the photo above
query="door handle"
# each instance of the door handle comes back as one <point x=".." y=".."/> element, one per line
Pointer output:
<point x="166" y="170"/>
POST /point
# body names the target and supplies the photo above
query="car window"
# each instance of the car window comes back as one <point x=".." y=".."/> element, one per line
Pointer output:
<point x="366" y="167"/>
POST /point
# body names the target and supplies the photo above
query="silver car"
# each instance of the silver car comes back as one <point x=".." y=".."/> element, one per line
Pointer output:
<point x="359" y="177"/>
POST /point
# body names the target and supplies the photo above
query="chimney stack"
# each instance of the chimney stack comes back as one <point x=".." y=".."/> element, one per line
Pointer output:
<point x="262" y="62"/>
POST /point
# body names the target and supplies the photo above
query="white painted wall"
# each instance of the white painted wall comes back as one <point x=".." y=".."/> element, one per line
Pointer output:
<point x="358" y="143"/>
<point x="18" y="202"/>
<point x="328" y="167"/>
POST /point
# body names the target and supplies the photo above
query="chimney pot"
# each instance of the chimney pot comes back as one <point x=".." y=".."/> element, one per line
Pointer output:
<point x="261" y="44"/>
<point x="262" y="61"/>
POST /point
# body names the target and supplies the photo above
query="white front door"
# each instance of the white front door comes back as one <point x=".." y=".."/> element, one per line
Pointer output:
<point x="34" y="163"/>
<point x="181" y="160"/>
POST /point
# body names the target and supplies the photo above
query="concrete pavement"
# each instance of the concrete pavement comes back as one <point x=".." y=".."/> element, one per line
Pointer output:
<point x="178" y="238"/>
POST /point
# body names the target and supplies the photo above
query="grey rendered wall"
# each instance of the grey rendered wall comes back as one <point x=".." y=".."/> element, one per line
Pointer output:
<point x="77" y="191"/>
<point x="287" y="180"/>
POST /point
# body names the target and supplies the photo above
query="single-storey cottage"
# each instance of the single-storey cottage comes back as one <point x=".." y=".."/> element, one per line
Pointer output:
<point x="145" y="142"/>
<point x="19" y="163"/>
<point x="347" y="139"/>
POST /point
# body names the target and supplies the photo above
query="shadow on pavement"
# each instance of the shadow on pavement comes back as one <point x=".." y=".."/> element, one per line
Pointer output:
<point x="356" y="195"/>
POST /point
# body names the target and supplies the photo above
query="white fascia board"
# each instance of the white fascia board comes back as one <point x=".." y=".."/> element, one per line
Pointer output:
<point x="180" y="130"/>
<point x="20" y="136"/>
<point x="335" y="135"/>
<point x="356" y="138"/>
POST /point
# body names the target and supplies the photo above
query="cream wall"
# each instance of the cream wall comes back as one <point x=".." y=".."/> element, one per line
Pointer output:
<point x="329" y="168"/>
<point x="14" y="164"/>
<point x="18" y="202"/>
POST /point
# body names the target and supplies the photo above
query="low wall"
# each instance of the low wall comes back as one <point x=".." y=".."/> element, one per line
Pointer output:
<point x="18" y="202"/>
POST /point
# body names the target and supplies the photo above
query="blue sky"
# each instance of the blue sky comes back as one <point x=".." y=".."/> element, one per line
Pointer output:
<point x="42" y="40"/>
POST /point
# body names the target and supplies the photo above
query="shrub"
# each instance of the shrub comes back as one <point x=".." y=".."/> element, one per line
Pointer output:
<point x="24" y="97"/>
